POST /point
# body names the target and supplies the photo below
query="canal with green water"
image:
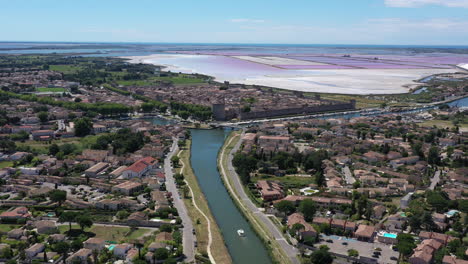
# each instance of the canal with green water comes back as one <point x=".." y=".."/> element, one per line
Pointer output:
<point x="206" y="145"/>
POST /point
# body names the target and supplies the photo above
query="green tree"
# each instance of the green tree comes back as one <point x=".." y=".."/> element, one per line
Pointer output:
<point x="43" y="117"/>
<point x="83" y="127"/>
<point x="84" y="221"/>
<point x="123" y="214"/>
<point x="53" y="149"/>
<point x="286" y="207"/>
<point x="69" y="217"/>
<point x="433" y="156"/>
<point x="62" y="248"/>
<point x="308" y="208"/>
<point x="58" y="196"/>
<point x="161" y="254"/>
<point x="321" y="256"/>
<point x="166" y="228"/>
<point x="353" y="253"/>
<point x="175" y="161"/>
<point x="437" y="200"/>
<point x="405" y="244"/>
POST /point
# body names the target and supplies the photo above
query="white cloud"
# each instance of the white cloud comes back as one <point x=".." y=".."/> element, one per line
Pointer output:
<point x="246" y="20"/>
<point x="418" y="3"/>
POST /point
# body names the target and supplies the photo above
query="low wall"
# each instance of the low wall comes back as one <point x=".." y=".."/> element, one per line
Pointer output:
<point x="297" y="111"/>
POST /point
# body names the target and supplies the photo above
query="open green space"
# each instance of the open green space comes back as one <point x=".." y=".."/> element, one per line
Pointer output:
<point x="4" y="228"/>
<point x="42" y="147"/>
<point x="112" y="233"/>
<point x="4" y="164"/>
<point x="50" y="90"/>
<point x="65" y="68"/>
<point x="441" y="124"/>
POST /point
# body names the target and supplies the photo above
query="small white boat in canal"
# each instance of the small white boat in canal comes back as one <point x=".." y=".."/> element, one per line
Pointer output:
<point x="240" y="232"/>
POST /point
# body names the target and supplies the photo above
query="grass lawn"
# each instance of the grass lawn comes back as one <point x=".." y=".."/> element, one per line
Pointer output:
<point x="4" y="164"/>
<point x="64" y="68"/>
<point x="42" y="147"/>
<point x="441" y="124"/>
<point x="218" y="248"/>
<point x="52" y="90"/>
<point x="111" y="233"/>
<point x="7" y="227"/>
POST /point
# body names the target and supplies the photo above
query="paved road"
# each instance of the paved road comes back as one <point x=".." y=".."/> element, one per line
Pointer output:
<point x="348" y="175"/>
<point x="435" y="180"/>
<point x="188" y="237"/>
<point x="290" y="250"/>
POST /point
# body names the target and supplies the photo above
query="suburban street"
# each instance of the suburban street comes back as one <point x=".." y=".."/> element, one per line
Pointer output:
<point x="435" y="180"/>
<point x="188" y="239"/>
<point x="348" y="175"/>
<point x="290" y="250"/>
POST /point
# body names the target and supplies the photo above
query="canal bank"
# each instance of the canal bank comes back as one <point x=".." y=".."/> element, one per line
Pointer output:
<point x="268" y="231"/>
<point x="206" y="145"/>
<point x="210" y="242"/>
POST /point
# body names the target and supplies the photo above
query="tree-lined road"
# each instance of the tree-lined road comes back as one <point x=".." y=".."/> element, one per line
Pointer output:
<point x="188" y="237"/>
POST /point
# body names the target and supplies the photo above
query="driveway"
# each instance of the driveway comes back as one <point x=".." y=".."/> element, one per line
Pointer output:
<point x="188" y="239"/>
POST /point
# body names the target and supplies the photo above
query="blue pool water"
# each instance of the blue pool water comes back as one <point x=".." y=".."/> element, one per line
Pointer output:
<point x="389" y="235"/>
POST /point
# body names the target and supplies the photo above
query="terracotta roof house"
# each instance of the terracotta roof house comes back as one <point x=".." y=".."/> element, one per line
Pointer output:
<point x="137" y="218"/>
<point x="81" y="254"/>
<point x="46" y="227"/>
<point x="94" y="243"/>
<point x="164" y="236"/>
<point x="15" y="233"/>
<point x="120" y="250"/>
<point x="365" y="233"/>
<point x="378" y="211"/>
<point x="270" y="190"/>
<point x="453" y="260"/>
<point x="155" y="245"/>
<point x="424" y="252"/>
<point x="139" y="168"/>
<point x="34" y="250"/>
<point x="442" y="238"/>
<point x="307" y="231"/>
<point x="373" y="156"/>
<point x="17" y="213"/>
<point x="96" y="169"/>
<point x="128" y="187"/>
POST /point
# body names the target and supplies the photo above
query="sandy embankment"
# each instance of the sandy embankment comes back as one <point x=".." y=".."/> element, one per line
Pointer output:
<point x="343" y="81"/>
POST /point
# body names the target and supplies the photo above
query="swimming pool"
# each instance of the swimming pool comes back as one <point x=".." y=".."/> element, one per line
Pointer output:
<point x="389" y="235"/>
<point x="111" y="247"/>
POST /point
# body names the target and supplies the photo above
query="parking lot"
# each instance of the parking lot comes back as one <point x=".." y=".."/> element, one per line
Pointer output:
<point x="341" y="245"/>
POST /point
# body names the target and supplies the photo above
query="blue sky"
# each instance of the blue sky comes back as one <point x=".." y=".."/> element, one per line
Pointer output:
<point x="418" y="22"/>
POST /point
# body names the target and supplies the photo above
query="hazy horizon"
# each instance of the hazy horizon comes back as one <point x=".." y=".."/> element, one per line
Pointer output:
<point x="364" y="22"/>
